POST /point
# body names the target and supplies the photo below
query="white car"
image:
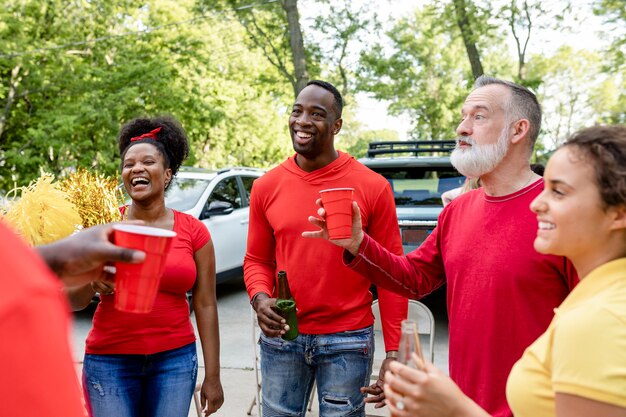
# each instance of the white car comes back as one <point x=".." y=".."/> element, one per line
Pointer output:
<point x="221" y="200"/>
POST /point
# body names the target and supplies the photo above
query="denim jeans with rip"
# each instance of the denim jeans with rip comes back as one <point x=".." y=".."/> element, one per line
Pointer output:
<point x="339" y="363"/>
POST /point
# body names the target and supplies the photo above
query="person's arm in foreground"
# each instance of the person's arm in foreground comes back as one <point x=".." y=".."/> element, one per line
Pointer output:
<point x="81" y="258"/>
<point x="430" y="393"/>
<point x="205" y="308"/>
<point x="568" y="405"/>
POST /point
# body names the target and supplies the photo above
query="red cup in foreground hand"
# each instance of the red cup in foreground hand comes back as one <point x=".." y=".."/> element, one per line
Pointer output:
<point x="136" y="284"/>
<point x="338" y="206"/>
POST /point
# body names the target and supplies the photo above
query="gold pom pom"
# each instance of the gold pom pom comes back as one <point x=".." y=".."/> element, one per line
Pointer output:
<point x="96" y="197"/>
<point x="41" y="213"/>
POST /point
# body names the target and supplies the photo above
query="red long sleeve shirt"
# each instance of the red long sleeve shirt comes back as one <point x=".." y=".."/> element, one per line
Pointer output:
<point x="500" y="292"/>
<point x="330" y="297"/>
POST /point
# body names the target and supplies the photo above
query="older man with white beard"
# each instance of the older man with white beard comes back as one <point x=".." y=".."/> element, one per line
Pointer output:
<point x="500" y="292"/>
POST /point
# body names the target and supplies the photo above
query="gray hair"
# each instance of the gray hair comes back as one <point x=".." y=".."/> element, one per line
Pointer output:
<point x="523" y="104"/>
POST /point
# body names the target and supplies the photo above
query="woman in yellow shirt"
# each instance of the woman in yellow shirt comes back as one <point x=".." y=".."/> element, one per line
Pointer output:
<point x="577" y="368"/>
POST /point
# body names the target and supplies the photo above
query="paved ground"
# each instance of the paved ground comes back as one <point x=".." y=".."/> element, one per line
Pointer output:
<point x="238" y="376"/>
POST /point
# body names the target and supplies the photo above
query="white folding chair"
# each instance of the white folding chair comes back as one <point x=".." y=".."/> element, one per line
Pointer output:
<point x="196" y="400"/>
<point x="256" y="359"/>
<point x="425" y="320"/>
<point x="425" y="328"/>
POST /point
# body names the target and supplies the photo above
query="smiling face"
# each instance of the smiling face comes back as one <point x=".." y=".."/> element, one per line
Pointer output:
<point x="572" y="220"/>
<point x="144" y="173"/>
<point x="313" y="123"/>
<point x="484" y="134"/>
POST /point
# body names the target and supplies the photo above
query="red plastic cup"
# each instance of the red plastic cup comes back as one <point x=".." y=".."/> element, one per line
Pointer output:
<point x="338" y="206"/>
<point x="136" y="285"/>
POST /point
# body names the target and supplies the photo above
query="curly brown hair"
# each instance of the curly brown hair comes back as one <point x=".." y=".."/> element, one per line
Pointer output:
<point x="171" y="140"/>
<point x="605" y="146"/>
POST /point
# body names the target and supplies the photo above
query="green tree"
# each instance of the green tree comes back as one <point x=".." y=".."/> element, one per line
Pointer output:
<point x="335" y="39"/>
<point x="569" y="97"/>
<point x="73" y="72"/>
<point x="464" y="13"/>
<point x="420" y="74"/>
<point x="40" y="80"/>
<point x="614" y="14"/>
<point x="356" y="142"/>
<point x="273" y="28"/>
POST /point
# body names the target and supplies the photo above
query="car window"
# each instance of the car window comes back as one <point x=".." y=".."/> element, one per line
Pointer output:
<point x="184" y="193"/>
<point x="228" y="191"/>
<point x="247" y="185"/>
<point x="416" y="186"/>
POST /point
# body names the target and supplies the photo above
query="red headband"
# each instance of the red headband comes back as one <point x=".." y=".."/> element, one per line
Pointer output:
<point x="150" y="135"/>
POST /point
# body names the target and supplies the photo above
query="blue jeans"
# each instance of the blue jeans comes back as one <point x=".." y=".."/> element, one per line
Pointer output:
<point x="158" y="385"/>
<point x="340" y="363"/>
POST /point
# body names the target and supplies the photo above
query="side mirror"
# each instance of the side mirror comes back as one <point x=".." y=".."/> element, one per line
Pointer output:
<point x="217" y="208"/>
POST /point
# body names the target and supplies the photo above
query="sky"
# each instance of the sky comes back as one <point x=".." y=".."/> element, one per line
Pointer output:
<point x="373" y="114"/>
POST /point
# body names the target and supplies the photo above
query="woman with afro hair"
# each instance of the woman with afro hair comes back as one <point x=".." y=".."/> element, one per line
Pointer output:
<point x="146" y="364"/>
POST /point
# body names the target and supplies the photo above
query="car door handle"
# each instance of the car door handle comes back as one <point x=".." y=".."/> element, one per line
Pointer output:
<point x="244" y="222"/>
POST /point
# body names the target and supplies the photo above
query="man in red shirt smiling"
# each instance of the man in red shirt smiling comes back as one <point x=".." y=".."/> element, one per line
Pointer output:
<point x="335" y="344"/>
<point x="500" y="292"/>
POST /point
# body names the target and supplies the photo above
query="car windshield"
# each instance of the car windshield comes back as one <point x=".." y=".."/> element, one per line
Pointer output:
<point x="184" y="193"/>
<point x="421" y="186"/>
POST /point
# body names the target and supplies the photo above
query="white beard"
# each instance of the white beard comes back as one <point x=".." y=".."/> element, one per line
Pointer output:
<point x="478" y="160"/>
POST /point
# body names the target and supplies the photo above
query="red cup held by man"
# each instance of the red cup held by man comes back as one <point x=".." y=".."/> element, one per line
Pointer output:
<point x="338" y="206"/>
<point x="136" y="285"/>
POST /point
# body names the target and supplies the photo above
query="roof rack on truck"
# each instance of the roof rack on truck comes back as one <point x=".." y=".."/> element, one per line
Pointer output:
<point x="414" y="147"/>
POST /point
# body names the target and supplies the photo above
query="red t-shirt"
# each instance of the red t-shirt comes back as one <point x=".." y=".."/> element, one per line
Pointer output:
<point x="500" y="292"/>
<point x="330" y="297"/>
<point x="37" y="375"/>
<point x="168" y="325"/>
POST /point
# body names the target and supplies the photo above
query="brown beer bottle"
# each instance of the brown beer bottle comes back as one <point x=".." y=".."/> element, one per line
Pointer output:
<point x="286" y="306"/>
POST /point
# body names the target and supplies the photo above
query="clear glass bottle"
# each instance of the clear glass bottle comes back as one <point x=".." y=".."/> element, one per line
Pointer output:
<point x="286" y="306"/>
<point x="409" y="343"/>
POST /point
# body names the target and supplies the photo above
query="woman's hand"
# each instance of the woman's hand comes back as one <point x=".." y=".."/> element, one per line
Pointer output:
<point x="212" y="395"/>
<point x="352" y="243"/>
<point x="104" y="287"/>
<point x="429" y="392"/>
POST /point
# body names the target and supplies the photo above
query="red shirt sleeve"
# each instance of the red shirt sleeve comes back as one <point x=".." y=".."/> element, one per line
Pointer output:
<point x="260" y="261"/>
<point x="383" y="227"/>
<point x="414" y="276"/>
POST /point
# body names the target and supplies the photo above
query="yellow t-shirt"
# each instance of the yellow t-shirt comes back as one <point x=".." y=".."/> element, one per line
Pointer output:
<point x="582" y="353"/>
